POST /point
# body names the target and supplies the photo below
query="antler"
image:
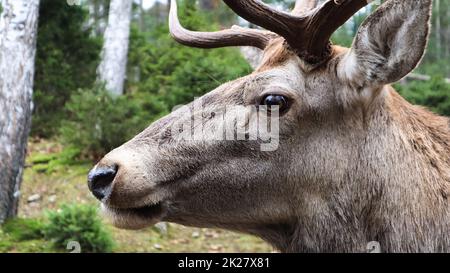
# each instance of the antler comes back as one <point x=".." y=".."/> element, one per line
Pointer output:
<point x="236" y="36"/>
<point x="307" y="30"/>
<point x="307" y="34"/>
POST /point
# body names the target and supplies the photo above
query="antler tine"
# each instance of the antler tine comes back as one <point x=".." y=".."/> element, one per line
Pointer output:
<point x="265" y="16"/>
<point x="326" y="19"/>
<point x="303" y="6"/>
<point x="308" y="34"/>
<point x="236" y="36"/>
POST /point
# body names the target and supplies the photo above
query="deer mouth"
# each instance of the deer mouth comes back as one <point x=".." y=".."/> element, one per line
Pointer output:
<point x="150" y="211"/>
<point x="135" y="218"/>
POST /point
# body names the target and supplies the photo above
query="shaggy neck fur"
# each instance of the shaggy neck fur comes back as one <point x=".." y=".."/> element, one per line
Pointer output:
<point x="399" y="183"/>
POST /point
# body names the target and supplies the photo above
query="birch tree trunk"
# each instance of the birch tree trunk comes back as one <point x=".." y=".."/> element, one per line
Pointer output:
<point x="112" y="68"/>
<point x="438" y="29"/>
<point x="141" y="16"/>
<point x="18" y="31"/>
<point x="447" y="36"/>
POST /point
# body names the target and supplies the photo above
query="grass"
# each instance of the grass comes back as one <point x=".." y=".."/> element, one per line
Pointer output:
<point x="67" y="184"/>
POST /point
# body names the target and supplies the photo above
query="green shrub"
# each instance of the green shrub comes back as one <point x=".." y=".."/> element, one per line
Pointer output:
<point x="42" y="158"/>
<point x="22" y="229"/>
<point x="99" y="122"/>
<point x="24" y="235"/>
<point x="79" y="223"/>
<point x="49" y="163"/>
<point x="434" y="94"/>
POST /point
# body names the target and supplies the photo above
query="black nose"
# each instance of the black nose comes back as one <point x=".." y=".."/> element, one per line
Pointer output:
<point x="100" y="180"/>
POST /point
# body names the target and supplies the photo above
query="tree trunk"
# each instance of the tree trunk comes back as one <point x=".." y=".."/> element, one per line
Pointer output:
<point x="141" y="16"/>
<point x="438" y="29"/>
<point x="447" y="36"/>
<point x="18" y="31"/>
<point x="112" y="68"/>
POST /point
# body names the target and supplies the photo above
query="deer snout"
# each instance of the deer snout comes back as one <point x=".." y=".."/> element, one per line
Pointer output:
<point x="100" y="180"/>
<point x="125" y="178"/>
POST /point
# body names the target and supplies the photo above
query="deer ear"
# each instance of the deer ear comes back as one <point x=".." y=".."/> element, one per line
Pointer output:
<point x="389" y="44"/>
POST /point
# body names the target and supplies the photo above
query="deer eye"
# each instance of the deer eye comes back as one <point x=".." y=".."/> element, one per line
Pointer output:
<point x="276" y="100"/>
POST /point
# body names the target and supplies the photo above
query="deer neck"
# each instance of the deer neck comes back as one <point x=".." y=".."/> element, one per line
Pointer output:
<point x="394" y="189"/>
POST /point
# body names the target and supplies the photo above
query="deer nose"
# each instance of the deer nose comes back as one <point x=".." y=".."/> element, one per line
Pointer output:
<point x="100" y="180"/>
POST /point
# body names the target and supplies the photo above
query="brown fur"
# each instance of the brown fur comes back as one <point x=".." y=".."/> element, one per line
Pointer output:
<point x="275" y="54"/>
<point x="429" y="136"/>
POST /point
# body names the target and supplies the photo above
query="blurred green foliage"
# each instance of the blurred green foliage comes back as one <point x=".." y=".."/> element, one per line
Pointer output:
<point x="24" y="235"/>
<point x="66" y="59"/>
<point x="435" y="94"/>
<point x="22" y="229"/>
<point x="49" y="163"/>
<point x="98" y="122"/>
<point x="176" y="74"/>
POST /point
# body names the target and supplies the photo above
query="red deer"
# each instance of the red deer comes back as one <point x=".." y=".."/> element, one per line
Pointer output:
<point x="355" y="162"/>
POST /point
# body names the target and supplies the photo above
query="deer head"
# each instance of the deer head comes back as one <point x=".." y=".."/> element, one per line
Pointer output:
<point x="322" y="186"/>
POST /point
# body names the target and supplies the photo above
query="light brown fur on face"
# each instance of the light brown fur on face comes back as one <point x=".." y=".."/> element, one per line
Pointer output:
<point x="356" y="163"/>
